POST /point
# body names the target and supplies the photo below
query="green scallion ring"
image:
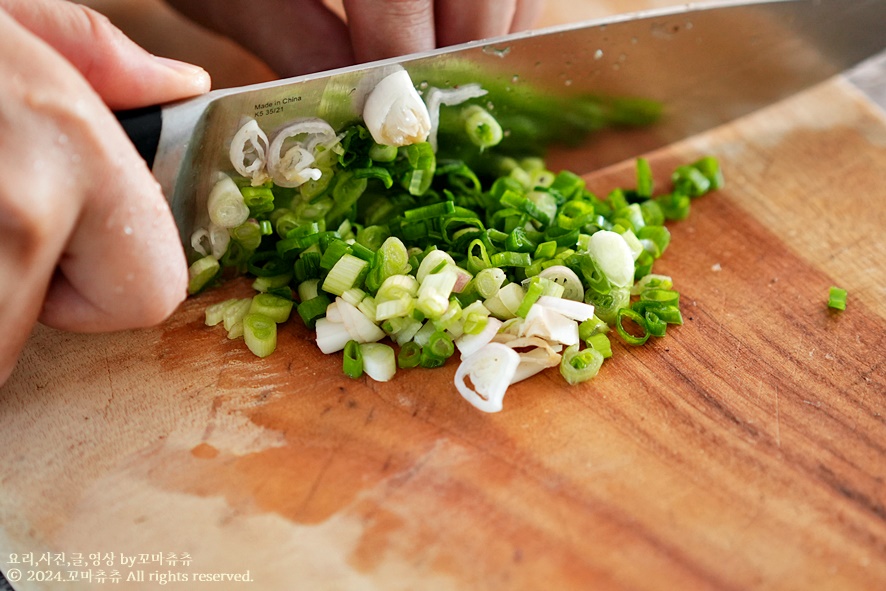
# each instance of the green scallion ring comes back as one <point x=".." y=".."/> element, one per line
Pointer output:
<point x="638" y="320"/>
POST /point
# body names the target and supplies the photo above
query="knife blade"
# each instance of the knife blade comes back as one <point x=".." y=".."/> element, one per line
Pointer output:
<point x="694" y="67"/>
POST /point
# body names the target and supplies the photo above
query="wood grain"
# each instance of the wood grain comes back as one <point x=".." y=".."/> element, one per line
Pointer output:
<point x="744" y="450"/>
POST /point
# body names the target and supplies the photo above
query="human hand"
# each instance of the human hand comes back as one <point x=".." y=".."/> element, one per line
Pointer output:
<point x="301" y="36"/>
<point x="87" y="242"/>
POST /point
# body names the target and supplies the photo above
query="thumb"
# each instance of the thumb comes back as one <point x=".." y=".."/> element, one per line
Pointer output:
<point x="122" y="73"/>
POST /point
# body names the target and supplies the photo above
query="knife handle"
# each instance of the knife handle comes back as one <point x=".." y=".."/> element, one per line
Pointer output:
<point x="143" y="128"/>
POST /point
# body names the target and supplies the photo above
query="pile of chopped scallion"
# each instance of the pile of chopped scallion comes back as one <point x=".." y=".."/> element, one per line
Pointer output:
<point x="399" y="257"/>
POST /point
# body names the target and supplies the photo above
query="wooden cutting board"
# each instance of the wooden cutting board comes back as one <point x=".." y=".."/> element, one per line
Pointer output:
<point x="747" y="449"/>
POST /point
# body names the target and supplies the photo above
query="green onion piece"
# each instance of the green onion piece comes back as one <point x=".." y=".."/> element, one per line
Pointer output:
<point x="600" y="342"/>
<point x="661" y="296"/>
<point x="511" y="259"/>
<point x="216" y="312"/>
<point x="652" y="281"/>
<point x="638" y="320"/>
<point x="427" y="212"/>
<point x="236" y="330"/>
<point x="409" y="356"/>
<point x="248" y="234"/>
<point x="489" y="281"/>
<point x="373" y="237"/>
<point x="522" y="204"/>
<point x="475" y="316"/>
<point x="313" y="190"/>
<point x="307" y="266"/>
<point x="482" y="128"/>
<point x="285" y="221"/>
<point x="478" y="257"/>
<point x="264" y="284"/>
<point x="450" y="319"/>
<point x="348" y="188"/>
<point x="652" y="213"/>
<point x="308" y="289"/>
<point x="345" y="274"/>
<point x="353" y="360"/>
<point x="311" y="310"/>
<point x="441" y="345"/>
<point x="375" y="172"/>
<point x="236" y="312"/>
<point x="710" y="168"/>
<point x="434" y="292"/>
<point x="361" y="252"/>
<point x="580" y="366"/>
<point x="643" y="265"/>
<point x="675" y="206"/>
<point x="274" y="307"/>
<point x="379" y="361"/>
<point x="260" y="334"/>
<point x="655" y="325"/>
<point x="670" y="313"/>
<point x="590" y="327"/>
<point x="336" y="249"/>
<point x="429" y="360"/>
<point x="837" y="298"/>
<point x="423" y="163"/>
<point x="690" y="181"/>
<point x="546" y="250"/>
<point x="534" y="291"/>
<point x="645" y="183"/>
<point x="568" y="184"/>
<point x="383" y="153"/>
<point x="518" y="242"/>
<point x="201" y="273"/>
<point x="259" y="200"/>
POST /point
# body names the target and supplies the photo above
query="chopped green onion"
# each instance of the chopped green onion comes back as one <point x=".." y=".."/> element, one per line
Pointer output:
<point x="645" y="183"/>
<point x="482" y="128"/>
<point x="409" y="356"/>
<point x="601" y="343"/>
<point x="638" y="320"/>
<point x="441" y="345"/>
<point x="837" y="298"/>
<point x="580" y="366"/>
<point x="216" y="312"/>
<point x="511" y="259"/>
<point x="264" y="284"/>
<point x="313" y="309"/>
<point x="344" y="274"/>
<point x="274" y="307"/>
<point x="379" y="361"/>
<point x="353" y="360"/>
<point x="429" y="359"/>
<point x="235" y="313"/>
<point x="260" y="334"/>
<point x="201" y="273"/>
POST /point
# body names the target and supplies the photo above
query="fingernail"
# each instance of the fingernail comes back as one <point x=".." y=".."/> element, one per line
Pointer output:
<point x="199" y="77"/>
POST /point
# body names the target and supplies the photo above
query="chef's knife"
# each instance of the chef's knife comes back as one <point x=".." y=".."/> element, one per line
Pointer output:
<point x="702" y="65"/>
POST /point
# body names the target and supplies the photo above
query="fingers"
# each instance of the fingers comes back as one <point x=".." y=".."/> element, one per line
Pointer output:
<point x="527" y="14"/>
<point x="123" y="74"/>
<point x="293" y="37"/>
<point x="88" y="243"/>
<point x="388" y="28"/>
<point x="459" y="21"/>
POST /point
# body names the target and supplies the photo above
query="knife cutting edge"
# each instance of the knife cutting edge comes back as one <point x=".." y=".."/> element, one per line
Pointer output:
<point x="682" y="70"/>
